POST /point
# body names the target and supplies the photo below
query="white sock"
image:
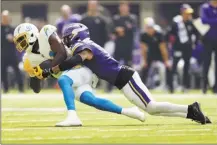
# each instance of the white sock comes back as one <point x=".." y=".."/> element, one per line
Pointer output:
<point x="165" y="107"/>
<point x="133" y="112"/>
<point x="72" y="114"/>
<point x="183" y="115"/>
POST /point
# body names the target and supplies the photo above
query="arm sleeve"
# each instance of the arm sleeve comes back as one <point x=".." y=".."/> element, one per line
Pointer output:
<point x="70" y="63"/>
<point x="205" y="19"/>
<point x="76" y="59"/>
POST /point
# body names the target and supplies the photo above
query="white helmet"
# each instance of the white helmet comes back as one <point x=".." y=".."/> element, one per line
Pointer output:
<point x="25" y="35"/>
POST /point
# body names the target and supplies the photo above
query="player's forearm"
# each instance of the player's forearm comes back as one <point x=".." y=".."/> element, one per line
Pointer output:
<point x="59" y="58"/>
<point x="68" y="64"/>
<point x="164" y="52"/>
<point x="144" y="51"/>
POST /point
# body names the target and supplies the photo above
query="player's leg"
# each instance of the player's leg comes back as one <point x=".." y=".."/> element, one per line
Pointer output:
<point x="138" y="94"/>
<point x="85" y="95"/>
<point x="4" y="76"/>
<point x="19" y="77"/>
<point x="66" y="82"/>
<point x="162" y="74"/>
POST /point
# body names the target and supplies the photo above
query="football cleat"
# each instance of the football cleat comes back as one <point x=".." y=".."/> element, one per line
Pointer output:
<point x="208" y="121"/>
<point x="69" y="123"/>
<point x="195" y="113"/>
<point x="71" y="120"/>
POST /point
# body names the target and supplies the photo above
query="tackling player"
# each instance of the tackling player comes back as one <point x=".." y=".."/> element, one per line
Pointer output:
<point x="41" y="50"/>
<point x="86" y="52"/>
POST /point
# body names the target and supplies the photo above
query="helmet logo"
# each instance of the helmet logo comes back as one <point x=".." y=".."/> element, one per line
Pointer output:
<point x="28" y="28"/>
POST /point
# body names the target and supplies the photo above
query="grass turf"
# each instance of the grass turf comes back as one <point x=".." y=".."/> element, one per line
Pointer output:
<point x="30" y="118"/>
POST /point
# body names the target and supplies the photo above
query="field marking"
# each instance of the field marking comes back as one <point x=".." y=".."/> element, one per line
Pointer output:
<point x="33" y="109"/>
<point x="101" y="130"/>
<point x="104" y="136"/>
<point x="44" y="120"/>
<point x="180" y="130"/>
<point x="113" y="96"/>
<point x="51" y="95"/>
<point x="75" y="128"/>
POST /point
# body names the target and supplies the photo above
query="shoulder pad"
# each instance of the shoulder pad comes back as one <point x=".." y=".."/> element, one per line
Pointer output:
<point x="47" y="30"/>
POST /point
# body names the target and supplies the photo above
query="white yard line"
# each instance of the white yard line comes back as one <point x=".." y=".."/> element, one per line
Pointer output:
<point x="44" y="120"/>
<point x="181" y="130"/>
<point x="75" y="128"/>
<point x="51" y="95"/>
<point x="33" y="109"/>
<point x="103" y="136"/>
<point x="112" y="95"/>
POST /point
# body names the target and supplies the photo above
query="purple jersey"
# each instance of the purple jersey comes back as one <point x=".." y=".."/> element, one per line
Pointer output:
<point x="102" y="64"/>
<point x="75" y="18"/>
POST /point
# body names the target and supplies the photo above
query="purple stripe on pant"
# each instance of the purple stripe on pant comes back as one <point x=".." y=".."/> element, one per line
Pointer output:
<point x="140" y="91"/>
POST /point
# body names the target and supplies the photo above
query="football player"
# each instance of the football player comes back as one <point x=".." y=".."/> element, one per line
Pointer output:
<point x="85" y="51"/>
<point x="41" y="51"/>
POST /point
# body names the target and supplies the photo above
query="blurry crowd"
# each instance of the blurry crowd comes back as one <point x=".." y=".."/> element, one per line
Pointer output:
<point x="176" y="58"/>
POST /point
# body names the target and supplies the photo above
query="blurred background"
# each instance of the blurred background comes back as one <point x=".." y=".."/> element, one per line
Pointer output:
<point x="157" y="38"/>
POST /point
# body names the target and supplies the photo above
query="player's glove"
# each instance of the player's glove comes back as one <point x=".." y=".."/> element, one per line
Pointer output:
<point x="47" y="72"/>
<point x="28" y="68"/>
<point x="42" y="74"/>
<point x="38" y="72"/>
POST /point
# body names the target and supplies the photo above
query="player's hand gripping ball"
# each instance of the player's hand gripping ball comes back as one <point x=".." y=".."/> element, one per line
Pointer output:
<point x="28" y="68"/>
<point x="38" y="72"/>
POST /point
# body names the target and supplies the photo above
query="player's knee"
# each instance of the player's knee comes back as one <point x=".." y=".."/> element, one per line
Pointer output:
<point x="88" y="98"/>
<point x="64" y="80"/>
<point x="152" y="108"/>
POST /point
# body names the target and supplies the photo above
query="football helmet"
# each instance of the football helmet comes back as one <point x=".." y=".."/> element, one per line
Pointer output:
<point x="25" y="36"/>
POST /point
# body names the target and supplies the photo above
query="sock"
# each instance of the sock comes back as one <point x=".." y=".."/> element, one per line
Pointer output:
<point x="165" y="107"/>
<point x="99" y="103"/>
<point x="72" y="114"/>
<point x="133" y="112"/>
<point x="65" y="84"/>
<point x="178" y="114"/>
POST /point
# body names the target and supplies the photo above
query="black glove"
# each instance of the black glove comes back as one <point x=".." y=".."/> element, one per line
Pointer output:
<point x="47" y="72"/>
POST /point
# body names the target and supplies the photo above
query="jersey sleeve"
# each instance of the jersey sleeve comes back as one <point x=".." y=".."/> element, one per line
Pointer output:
<point x="48" y="30"/>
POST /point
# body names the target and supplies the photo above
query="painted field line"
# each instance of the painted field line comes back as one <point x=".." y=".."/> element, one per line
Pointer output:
<point x="33" y="109"/>
<point x="44" y="120"/>
<point x="44" y="110"/>
<point x="113" y="96"/>
<point x="181" y="130"/>
<point x="47" y="96"/>
<point x="97" y="129"/>
<point x="42" y="113"/>
<point x="103" y="136"/>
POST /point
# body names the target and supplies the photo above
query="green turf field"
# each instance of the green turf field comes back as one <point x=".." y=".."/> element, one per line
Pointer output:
<point x="30" y="118"/>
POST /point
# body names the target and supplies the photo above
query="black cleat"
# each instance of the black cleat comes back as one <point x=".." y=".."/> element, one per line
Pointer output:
<point x="195" y="113"/>
<point x="208" y="120"/>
